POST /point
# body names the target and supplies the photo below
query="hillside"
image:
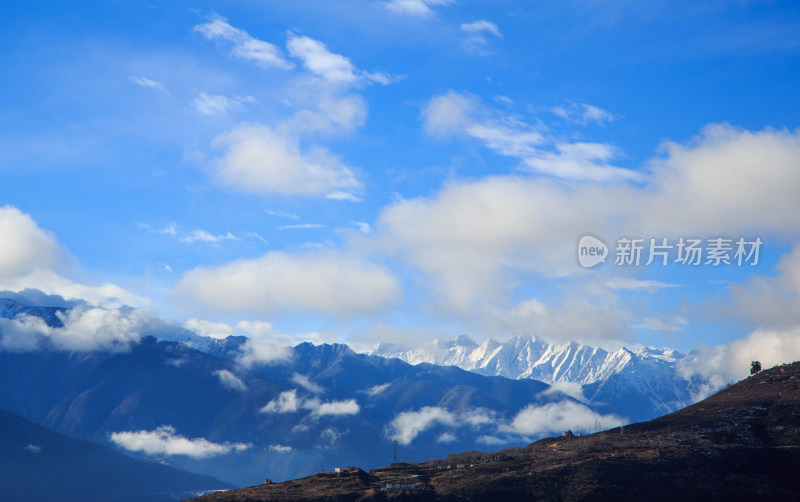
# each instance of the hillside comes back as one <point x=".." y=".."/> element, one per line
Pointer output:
<point x="740" y="444"/>
<point x="37" y="464"/>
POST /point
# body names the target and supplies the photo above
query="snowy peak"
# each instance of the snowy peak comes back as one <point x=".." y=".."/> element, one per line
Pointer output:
<point x="531" y="357"/>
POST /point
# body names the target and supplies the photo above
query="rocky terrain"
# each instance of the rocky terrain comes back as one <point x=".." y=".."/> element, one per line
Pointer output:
<point x="742" y="443"/>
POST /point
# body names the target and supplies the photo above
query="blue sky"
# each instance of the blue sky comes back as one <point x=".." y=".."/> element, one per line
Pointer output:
<point x="365" y="171"/>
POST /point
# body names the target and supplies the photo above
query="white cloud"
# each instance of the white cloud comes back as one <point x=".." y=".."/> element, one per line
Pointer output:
<point x="50" y="282"/>
<point x="30" y="257"/>
<point x="552" y="418"/>
<point x="208" y="328"/>
<point x="259" y="329"/>
<point x="26" y="247"/>
<point x="277" y="282"/>
<point x="377" y="389"/>
<point x="481" y="26"/>
<point x="32" y="448"/>
<point x="286" y="402"/>
<point x="306" y="383"/>
<point x="217" y="104"/>
<point x="449" y="113"/>
<point x="418" y="8"/>
<point x="583" y="114"/>
<point x="492" y="440"/>
<point x="318" y="60"/>
<point x="520" y="226"/>
<point x="165" y="441"/>
<point x="571" y="389"/>
<point x="346" y="407"/>
<point x="244" y="45"/>
<point x="458" y="113"/>
<point x="259" y="160"/>
<point x="446" y="437"/>
<point x="146" y="82"/>
<point x="476" y="41"/>
<point x="204" y="236"/>
<point x="230" y="381"/>
<point x="362" y="227"/>
<point x="409" y="424"/>
<point x="280" y="448"/>
<point x="256" y="351"/>
<point x="84" y="329"/>
<point x="729" y="362"/>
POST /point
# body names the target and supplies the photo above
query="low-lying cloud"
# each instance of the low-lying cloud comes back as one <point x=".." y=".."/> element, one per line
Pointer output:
<point x="289" y="402"/>
<point x="165" y="441"/>
<point x="84" y="329"/>
<point x="230" y="381"/>
<point x="553" y="418"/>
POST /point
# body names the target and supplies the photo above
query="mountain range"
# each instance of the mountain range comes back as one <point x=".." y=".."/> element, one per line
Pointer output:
<point x="740" y="444"/>
<point x="202" y="405"/>
<point x="638" y="384"/>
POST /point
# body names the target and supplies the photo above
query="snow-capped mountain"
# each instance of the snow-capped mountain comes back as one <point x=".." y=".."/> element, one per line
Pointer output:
<point x="530" y="357"/>
<point x="605" y="377"/>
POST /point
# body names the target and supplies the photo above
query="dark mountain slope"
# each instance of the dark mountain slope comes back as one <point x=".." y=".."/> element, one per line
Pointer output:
<point x="37" y="464"/>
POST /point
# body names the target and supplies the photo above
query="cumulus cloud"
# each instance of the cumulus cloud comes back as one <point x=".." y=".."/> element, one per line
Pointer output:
<point x="729" y="362"/>
<point x="165" y="441"/>
<point x="208" y="328"/>
<point x="259" y="329"/>
<point x="323" y="281"/>
<point x="409" y="424"/>
<point x="26" y="247"/>
<point x="230" y="381"/>
<point x="552" y="418"/>
<point x="417" y="8"/>
<point x="289" y="402"/>
<point x="476" y="265"/>
<point x="31" y="257"/>
<point x="280" y="448"/>
<point x="262" y="161"/>
<point x="84" y="329"/>
<point x="257" y="351"/>
<point x="244" y="46"/>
